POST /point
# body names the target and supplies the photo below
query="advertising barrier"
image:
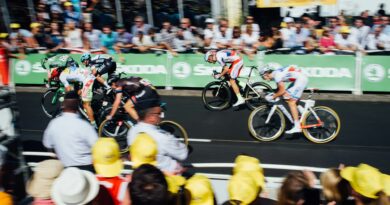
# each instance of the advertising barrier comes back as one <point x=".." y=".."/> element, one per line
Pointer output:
<point x="334" y="73"/>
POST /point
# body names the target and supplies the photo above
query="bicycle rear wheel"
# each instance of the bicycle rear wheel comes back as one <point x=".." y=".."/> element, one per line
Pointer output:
<point x="323" y="133"/>
<point x="175" y="129"/>
<point x="116" y="129"/>
<point x="263" y="131"/>
<point x="216" y="96"/>
<point x="255" y="96"/>
<point x="50" y="103"/>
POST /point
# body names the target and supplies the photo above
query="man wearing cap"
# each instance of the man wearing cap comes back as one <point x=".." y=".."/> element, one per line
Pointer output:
<point x="17" y="32"/>
<point x="288" y="33"/>
<point x="345" y="41"/>
<point x="170" y="149"/>
<point x="70" y="136"/>
<point x="200" y="191"/>
<point x="108" y="167"/>
<point x="209" y="32"/>
<point x="70" y="14"/>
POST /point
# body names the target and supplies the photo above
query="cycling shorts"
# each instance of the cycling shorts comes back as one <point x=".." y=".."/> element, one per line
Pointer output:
<point x="296" y="88"/>
<point x="87" y="91"/>
<point x="235" y="68"/>
<point x="108" y="67"/>
<point x="145" y="98"/>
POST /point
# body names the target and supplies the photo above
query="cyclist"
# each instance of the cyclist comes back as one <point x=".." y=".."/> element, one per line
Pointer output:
<point x="225" y="57"/>
<point x="56" y="65"/>
<point x="133" y="90"/>
<point x="100" y="65"/>
<point x="292" y="93"/>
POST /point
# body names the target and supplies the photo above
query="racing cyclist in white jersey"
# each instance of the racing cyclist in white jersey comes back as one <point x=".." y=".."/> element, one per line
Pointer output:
<point x="225" y="57"/>
<point x="293" y="92"/>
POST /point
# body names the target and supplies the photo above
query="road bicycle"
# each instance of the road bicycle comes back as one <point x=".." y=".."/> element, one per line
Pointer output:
<point x="218" y="95"/>
<point x="319" y="124"/>
<point x="121" y="123"/>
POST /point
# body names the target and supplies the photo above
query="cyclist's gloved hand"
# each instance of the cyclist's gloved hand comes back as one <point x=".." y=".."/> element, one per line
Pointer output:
<point x="216" y="76"/>
<point x="269" y="97"/>
<point x="47" y="85"/>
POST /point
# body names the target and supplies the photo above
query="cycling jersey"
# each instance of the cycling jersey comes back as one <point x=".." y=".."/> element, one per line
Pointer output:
<point x="58" y="63"/>
<point x="139" y="91"/>
<point x="236" y="63"/>
<point x="103" y="64"/>
<point x="291" y="74"/>
<point x="132" y="84"/>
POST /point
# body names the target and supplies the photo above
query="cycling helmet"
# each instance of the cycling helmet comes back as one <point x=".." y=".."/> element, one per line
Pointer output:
<point x="112" y="79"/>
<point x="207" y="55"/>
<point x="265" y="68"/>
<point x="85" y="56"/>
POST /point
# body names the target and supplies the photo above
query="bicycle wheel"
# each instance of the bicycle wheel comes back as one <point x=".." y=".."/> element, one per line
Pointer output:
<point x="116" y="129"/>
<point x="263" y="131"/>
<point x="175" y="129"/>
<point x="254" y="95"/>
<point x="325" y="132"/>
<point x="216" y="96"/>
<point x="50" y="102"/>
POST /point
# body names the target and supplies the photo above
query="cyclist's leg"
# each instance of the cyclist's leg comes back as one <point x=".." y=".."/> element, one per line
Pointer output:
<point x="129" y="107"/>
<point x="234" y="72"/>
<point x="86" y="96"/>
<point x="292" y="95"/>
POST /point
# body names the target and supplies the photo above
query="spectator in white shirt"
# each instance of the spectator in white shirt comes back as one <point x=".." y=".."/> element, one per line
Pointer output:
<point x="236" y="42"/>
<point x="208" y="32"/>
<point x="250" y="39"/>
<point x="334" y="26"/>
<point x="71" y="137"/>
<point x="378" y="40"/>
<point x="221" y="39"/>
<point x="250" y="21"/>
<point x="288" y="33"/>
<point x="73" y="36"/>
<point x="223" y="23"/>
<point x="360" y="31"/>
<point x="180" y="44"/>
<point x="142" y="42"/>
<point x="188" y="30"/>
<point x="345" y="41"/>
<point x="386" y="24"/>
<point x="91" y="37"/>
<point x="302" y="34"/>
<point x="140" y="26"/>
<point x="168" y="33"/>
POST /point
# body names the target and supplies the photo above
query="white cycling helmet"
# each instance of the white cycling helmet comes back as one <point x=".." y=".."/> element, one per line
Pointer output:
<point x="207" y="55"/>
<point x="265" y="68"/>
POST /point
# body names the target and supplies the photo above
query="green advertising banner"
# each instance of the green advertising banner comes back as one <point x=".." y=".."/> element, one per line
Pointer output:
<point x="376" y="73"/>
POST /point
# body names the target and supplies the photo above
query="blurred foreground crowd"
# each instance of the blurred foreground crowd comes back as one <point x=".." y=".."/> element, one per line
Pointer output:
<point x="73" y="25"/>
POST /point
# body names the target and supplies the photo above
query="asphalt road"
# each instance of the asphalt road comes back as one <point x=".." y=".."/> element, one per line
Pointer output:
<point x="364" y="136"/>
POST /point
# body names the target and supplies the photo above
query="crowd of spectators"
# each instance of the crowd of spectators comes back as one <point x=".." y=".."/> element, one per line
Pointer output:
<point x="72" y="25"/>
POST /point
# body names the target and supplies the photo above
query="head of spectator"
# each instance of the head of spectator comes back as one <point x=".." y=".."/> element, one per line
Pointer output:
<point x="243" y="189"/>
<point x="333" y="22"/>
<point x="250" y="165"/>
<point x="68" y="6"/>
<point x="14" y="27"/>
<point x="223" y="30"/>
<point x="289" y="22"/>
<point x="71" y="25"/>
<point x="107" y="29"/>
<point x="345" y="32"/>
<point x="148" y="186"/>
<point x="36" y="28"/>
<point x="385" y="20"/>
<point x="367" y="184"/>
<point x="185" y="23"/>
<point x="210" y="23"/>
<point x="88" y="26"/>
<point x="106" y="157"/>
<point x="74" y="186"/>
<point x="40" y="184"/>
<point x="120" y="28"/>
<point x="139" y="21"/>
<point x="54" y="27"/>
<point x="71" y="102"/>
<point x="143" y="150"/>
<point x="249" y="20"/>
<point x="249" y="29"/>
<point x="223" y="22"/>
<point x="359" y="22"/>
<point x="150" y="111"/>
<point x="335" y="188"/>
<point x="199" y="191"/>
<point x="236" y="32"/>
<point x="378" y="30"/>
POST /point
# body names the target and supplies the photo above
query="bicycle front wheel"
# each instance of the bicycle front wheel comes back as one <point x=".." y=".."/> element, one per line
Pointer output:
<point x="254" y="94"/>
<point x="51" y="102"/>
<point x="175" y="129"/>
<point x="116" y="129"/>
<point x="325" y="132"/>
<point x="216" y="96"/>
<point x="263" y="131"/>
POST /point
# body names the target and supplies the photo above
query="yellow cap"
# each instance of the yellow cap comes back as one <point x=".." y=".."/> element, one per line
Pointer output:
<point x="106" y="157"/>
<point x="5" y="199"/>
<point x="344" y="29"/>
<point x="174" y="183"/>
<point x="386" y="184"/>
<point x="14" y="25"/>
<point x="200" y="189"/>
<point x="68" y="3"/>
<point x="364" y="179"/>
<point x="283" y="25"/>
<point x="35" y="25"/>
<point x="143" y="150"/>
<point x="3" y="35"/>
<point x="243" y="187"/>
<point x="251" y="165"/>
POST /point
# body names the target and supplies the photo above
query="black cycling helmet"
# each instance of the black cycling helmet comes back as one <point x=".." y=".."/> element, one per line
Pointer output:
<point x="113" y="78"/>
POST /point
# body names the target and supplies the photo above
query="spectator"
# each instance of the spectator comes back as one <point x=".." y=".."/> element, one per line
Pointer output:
<point x="277" y="39"/>
<point x="221" y="38"/>
<point x="143" y="43"/>
<point x="70" y="15"/>
<point x="168" y="33"/>
<point x="223" y="23"/>
<point x="242" y="189"/>
<point x="250" y="22"/>
<point x="208" y="32"/>
<point x="180" y="43"/>
<point x="5" y="198"/>
<point x="108" y="39"/>
<point x="57" y="39"/>
<point x="124" y="39"/>
<point x="236" y="42"/>
<point x="289" y="33"/>
<point x="311" y="43"/>
<point x="143" y="150"/>
<point x="108" y="166"/>
<point x="188" y="30"/>
<point x="71" y="137"/>
<point x="91" y="37"/>
<point x="377" y="21"/>
<point x="75" y="186"/>
<point x="57" y="15"/>
<point x="265" y="42"/>
<point x="367" y="19"/>
<point x="250" y="38"/>
<point x="21" y="34"/>
<point x="302" y="34"/>
<point x="40" y="184"/>
<point x="334" y="26"/>
<point x="140" y="26"/>
<point x="148" y="186"/>
<point x="367" y="184"/>
<point x="169" y="148"/>
<point x="377" y="40"/>
<point x="327" y="43"/>
<point x="41" y="39"/>
<point x="42" y="14"/>
<point x="360" y="31"/>
<point x="73" y="36"/>
<point x="386" y="24"/>
<point x="345" y="41"/>
<point x="199" y="191"/>
<point x="297" y="188"/>
<point x="335" y="188"/>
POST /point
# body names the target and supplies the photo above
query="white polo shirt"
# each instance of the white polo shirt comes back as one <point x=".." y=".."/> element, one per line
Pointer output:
<point x="71" y="138"/>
